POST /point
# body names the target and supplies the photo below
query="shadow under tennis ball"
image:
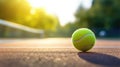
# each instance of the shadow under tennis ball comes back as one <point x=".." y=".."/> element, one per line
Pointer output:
<point x="99" y="58"/>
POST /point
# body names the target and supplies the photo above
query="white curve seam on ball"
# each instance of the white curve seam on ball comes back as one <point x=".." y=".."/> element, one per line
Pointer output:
<point x="82" y="37"/>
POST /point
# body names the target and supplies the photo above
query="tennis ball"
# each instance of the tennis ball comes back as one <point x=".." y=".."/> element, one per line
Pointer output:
<point x="83" y="39"/>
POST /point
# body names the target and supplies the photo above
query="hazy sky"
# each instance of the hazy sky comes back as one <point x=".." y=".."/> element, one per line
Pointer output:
<point x="69" y="8"/>
<point x="64" y="9"/>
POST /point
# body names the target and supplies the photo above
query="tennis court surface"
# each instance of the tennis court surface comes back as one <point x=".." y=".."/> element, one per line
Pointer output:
<point x="57" y="52"/>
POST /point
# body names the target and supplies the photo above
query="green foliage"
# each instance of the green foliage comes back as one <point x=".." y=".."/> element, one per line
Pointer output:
<point x="20" y="11"/>
<point x="13" y="9"/>
<point x="81" y="18"/>
<point x="103" y="15"/>
<point x="106" y="13"/>
<point x="41" y="20"/>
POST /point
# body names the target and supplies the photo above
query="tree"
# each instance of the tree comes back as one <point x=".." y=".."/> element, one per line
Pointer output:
<point x="106" y="12"/>
<point x="103" y="15"/>
<point x="81" y="17"/>
<point x="20" y="11"/>
<point x="41" y="20"/>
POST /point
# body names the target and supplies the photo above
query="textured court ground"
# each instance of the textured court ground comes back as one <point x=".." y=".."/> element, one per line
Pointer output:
<point x="57" y="52"/>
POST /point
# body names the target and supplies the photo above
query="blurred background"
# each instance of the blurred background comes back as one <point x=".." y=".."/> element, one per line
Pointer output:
<point x="58" y="18"/>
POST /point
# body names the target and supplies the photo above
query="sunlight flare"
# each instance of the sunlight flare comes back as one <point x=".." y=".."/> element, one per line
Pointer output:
<point x="63" y="9"/>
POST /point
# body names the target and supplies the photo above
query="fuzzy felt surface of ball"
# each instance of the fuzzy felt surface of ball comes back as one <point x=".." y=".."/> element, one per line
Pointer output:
<point x="83" y="39"/>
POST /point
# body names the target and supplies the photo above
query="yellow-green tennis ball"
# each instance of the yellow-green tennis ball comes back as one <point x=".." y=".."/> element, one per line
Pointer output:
<point x="83" y="39"/>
